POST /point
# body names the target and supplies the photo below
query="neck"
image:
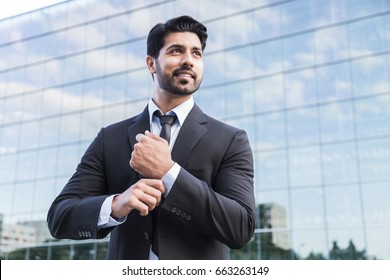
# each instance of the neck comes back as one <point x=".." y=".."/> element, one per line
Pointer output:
<point x="167" y="101"/>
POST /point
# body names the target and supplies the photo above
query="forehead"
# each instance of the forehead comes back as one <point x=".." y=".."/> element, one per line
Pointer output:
<point x="186" y="39"/>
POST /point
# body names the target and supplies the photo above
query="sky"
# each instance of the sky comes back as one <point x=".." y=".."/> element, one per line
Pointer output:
<point x="9" y="8"/>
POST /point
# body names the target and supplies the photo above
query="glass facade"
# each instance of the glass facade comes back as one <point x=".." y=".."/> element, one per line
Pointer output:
<point x="310" y="79"/>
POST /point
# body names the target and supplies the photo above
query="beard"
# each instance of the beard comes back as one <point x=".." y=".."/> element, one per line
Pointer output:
<point x="177" y="87"/>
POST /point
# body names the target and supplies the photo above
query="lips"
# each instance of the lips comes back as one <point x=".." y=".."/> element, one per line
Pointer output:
<point x="185" y="74"/>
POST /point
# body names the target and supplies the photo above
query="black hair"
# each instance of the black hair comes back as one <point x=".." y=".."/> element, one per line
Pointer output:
<point x="157" y="34"/>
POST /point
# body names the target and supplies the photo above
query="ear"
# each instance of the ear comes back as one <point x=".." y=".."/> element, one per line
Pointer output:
<point x="150" y="62"/>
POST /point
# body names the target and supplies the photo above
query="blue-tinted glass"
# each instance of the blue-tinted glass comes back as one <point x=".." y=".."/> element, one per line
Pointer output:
<point x="268" y="57"/>
<point x="214" y="65"/>
<point x="90" y="124"/>
<point x="343" y="207"/>
<point x="271" y="169"/>
<point x="67" y="159"/>
<point x="49" y="132"/>
<point x="347" y="245"/>
<point x="268" y="21"/>
<point x="239" y="64"/>
<point x="270" y="131"/>
<point x="269" y="93"/>
<point x="112" y="114"/>
<point x="43" y="195"/>
<point x="310" y="244"/>
<point x="378" y="243"/>
<point x="303" y="126"/>
<point x="7" y="166"/>
<point x="7" y="195"/>
<point x="339" y="163"/>
<point x="372" y="116"/>
<point x="374" y="159"/>
<point x="333" y="82"/>
<point x="239" y="98"/>
<point x="211" y="102"/>
<point x="46" y="163"/>
<point x="299" y="51"/>
<point x="70" y="128"/>
<point x="331" y="44"/>
<point x="23" y="198"/>
<point x="304" y="166"/>
<point x="267" y="200"/>
<point x="9" y="138"/>
<point x="300" y="88"/>
<point x="29" y="135"/>
<point x="307" y="206"/>
<point x="337" y="121"/>
<point x="115" y="88"/>
<point x="368" y="36"/>
<point x="248" y="125"/>
<point x="297" y="15"/>
<point x="370" y="75"/>
<point x="376" y="204"/>
<point x="358" y="8"/>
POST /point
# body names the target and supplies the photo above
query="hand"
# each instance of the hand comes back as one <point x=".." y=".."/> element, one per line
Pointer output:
<point x="144" y="196"/>
<point x="151" y="156"/>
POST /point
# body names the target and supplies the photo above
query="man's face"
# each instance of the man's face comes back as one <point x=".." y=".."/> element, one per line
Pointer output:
<point x="179" y="67"/>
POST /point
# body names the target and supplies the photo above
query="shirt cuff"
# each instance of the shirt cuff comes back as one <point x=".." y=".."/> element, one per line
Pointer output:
<point x="170" y="178"/>
<point x="105" y="219"/>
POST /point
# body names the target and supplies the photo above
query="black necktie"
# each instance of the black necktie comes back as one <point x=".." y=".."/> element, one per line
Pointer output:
<point x="166" y="122"/>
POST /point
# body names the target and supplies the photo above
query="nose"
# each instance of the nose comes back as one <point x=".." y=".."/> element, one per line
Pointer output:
<point x="187" y="59"/>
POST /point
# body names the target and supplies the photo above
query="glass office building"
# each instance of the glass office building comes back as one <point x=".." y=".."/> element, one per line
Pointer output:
<point x="309" y="80"/>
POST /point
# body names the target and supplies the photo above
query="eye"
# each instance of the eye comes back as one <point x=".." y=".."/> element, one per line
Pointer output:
<point x="176" y="51"/>
<point x="198" y="53"/>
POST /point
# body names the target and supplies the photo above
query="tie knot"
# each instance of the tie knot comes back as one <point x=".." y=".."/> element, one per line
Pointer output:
<point x="166" y="119"/>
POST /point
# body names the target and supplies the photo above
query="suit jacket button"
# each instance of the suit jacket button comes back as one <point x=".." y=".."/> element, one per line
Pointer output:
<point x="147" y="235"/>
<point x="188" y="218"/>
<point x="184" y="214"/>
<point x="174" y="209"/>
<point x="178" y="212"/>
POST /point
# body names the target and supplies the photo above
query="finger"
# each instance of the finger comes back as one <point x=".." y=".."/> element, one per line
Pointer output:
<point x="150" y="201"/>
<point x="142" y="201"/>
<point x="138" y="137"/>
<point x="131" y="161"/>
<point x="154" y="136"/>
<point x="141" y="207"/>
<point x="154" y="183"/>
<point x="155" y="194"/>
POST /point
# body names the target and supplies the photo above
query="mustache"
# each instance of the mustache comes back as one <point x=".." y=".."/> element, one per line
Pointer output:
<point x="185" y="68"/>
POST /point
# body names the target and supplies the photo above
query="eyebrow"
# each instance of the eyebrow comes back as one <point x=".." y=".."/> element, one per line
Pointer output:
<point x="181" y="46"/>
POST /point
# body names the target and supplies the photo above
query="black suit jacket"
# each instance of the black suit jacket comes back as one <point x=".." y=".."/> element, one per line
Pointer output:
<point x="210" y="204"/>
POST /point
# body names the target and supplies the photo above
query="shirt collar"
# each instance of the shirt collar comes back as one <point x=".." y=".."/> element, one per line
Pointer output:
<point x="181" y="110"/>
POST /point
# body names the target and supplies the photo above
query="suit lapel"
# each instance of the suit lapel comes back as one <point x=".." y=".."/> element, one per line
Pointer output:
<point x="190" y="133"/>
<point x="139" y="125"/>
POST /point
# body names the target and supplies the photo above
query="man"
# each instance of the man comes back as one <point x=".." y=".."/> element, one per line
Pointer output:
<point x="185" y="199"/>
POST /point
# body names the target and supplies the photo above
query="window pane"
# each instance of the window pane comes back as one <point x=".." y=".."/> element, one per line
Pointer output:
<point x="343" y="206"/>
<point x="271" y="169"/>
<point x="304" y="166"/>
<point x="339" y="163"/>
<point x="307" y="208"/>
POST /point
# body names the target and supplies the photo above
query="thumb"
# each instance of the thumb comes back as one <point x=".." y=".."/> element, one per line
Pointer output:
<point x="153" y="136"/>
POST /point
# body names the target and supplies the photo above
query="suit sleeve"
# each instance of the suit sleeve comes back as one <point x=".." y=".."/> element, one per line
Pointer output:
<point x="74" y="213"/>
<point x="226" y="210"/>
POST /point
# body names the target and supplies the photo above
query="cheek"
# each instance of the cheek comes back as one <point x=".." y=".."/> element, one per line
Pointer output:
<point x="200" y="70"/>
